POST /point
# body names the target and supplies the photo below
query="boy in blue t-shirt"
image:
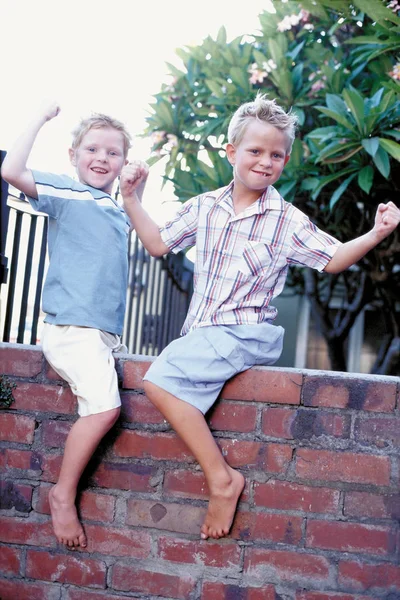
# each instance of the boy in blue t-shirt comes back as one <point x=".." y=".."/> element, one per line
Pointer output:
<point x="85" y="288"/>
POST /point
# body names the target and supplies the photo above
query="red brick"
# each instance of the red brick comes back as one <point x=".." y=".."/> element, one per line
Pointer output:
<point x="365" y="504"/>
<point x="277" y="422"/>
<point x="132" y="579"/>
<point x="304" y="423"/>
<point x="291" y="496"/>
<point x="17" y="428"/>
<point x="342" y="466"/>
<point x="136" y="408"/>
<point x="350" y="537"/>
<point x="66" y="569"/>
<point x="271" y="457"/>
<point x="381" y="432"/>
<point x="185" y="483"/>
<point x="23" y="531"/>
<point x="20" y="361"/>
<point x="113" y="541"/>
<point x="206" y="553"/>
<point x="329" y="596"/>
<point x="13" y="589"/>
<point x="125" y="476"/>
<point x="133" y="372"/>
<point x="10" y="560"/>
<point x="44" y="398"/>
<point x="54" y="433"/>
<point x="160" y="446"/>
<point x="272" y="527"/>
<point x="264" y="384"/>
<point x="286" y="566"/>
<point x="92" y="506"/>
<point x="349" y="392"/>
<point x="51" y="374"/>
<point x="75" y="594"/>
<point x="182" y="518"/>
<point x="366" y="577"/>
<point x="24" y="460"/>
<point x="15" y="495"/>
<point x="50" y="465"/>
<point x="213" y="590"/>
<point x="232" y="416"/>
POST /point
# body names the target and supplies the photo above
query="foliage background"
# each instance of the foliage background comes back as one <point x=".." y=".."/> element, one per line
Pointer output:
<point x="336" y="64"/>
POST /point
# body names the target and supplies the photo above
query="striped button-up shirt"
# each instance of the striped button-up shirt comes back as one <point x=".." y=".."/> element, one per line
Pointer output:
<point x="242" y="259"/>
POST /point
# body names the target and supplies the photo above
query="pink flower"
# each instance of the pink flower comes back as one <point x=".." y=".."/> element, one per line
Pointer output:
<point x="395" y="74"/>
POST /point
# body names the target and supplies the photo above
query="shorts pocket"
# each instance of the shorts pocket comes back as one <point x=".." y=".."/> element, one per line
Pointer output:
<point x="257" y="258"/>
<point x="225" y="346"/>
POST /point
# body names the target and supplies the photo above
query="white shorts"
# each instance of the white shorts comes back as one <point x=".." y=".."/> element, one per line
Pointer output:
<point x="83" y="357"/>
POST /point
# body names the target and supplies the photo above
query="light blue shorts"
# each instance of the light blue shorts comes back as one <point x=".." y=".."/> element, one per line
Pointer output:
<point x="195" y="367"/>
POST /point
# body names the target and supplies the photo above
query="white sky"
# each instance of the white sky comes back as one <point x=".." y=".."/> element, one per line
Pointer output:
<point x="104" y="56"/>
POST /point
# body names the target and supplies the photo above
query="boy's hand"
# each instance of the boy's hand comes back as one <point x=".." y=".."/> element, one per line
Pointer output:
<point x="386" y="220"/>
<point x="50" y="111"/>
<point x="133" y="179"/>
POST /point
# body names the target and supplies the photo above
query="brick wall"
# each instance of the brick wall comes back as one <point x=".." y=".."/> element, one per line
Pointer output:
<point x="318" y="520"/>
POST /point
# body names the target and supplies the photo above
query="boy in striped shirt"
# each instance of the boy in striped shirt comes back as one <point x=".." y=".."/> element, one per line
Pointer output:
<point x="246" y="238"/>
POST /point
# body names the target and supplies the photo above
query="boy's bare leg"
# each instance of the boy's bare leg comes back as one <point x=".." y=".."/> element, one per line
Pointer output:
<point x="82" y="441"/>
<point x="224" y="483"/>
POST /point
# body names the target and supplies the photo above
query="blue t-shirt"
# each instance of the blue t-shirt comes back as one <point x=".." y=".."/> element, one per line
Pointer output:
<point x="88" y="249"/>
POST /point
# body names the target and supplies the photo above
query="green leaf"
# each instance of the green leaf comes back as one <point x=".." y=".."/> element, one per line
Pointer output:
<point x="355" y="102"/>
<point x="393" y="133"/>
<point x="336" y="117"/>
<point x="215" y="88"/>
<point x="339" y="191"/>
<point x="365" y="178"/>
<point x="393" y="148"/>
<point x="381" y="160"/>
<point x="376" y="10"/>
<point x="369" y="39"/>
<point x="336" y="147"/>
<point x="174" y="71"/>
<point x="152" y="160"/>
<point x="371" y="145"/>
<point x="309" y="184"/>
<point x="221" y="37"/>
<point x="300" y="114"/>
<point x="286" y="187"/>
<point x="296" y="155"/>
<point x="240" y="77"/>
<point x="329" y="178"/>
<point x="336" y="104"/>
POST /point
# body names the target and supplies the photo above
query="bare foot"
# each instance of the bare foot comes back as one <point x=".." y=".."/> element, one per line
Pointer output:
<point x="66" y="525"/>
<point x="222" y="507"/>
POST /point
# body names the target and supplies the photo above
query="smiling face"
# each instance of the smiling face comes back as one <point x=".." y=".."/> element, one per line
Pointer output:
<point x="99" y="158"/>
<point x="259" y="158"/>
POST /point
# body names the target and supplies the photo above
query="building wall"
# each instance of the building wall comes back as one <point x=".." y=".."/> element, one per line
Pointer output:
<point x="318" y="519"/>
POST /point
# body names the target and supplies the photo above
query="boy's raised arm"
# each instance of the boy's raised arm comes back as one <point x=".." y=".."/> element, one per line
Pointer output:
<point x="132" y="182"/>
<point x="386" y="220"/>
<point x="14" y="169"/>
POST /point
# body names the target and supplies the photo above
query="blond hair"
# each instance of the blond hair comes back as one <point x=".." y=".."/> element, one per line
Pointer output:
<point x="264" y="110"/>
<point x="98" y="121"/>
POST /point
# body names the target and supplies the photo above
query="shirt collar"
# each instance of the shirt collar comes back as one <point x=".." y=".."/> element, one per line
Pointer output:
<point x="270" y="199"/>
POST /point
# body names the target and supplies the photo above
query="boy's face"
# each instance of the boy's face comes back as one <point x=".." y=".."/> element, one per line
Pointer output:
<point x="259" y="158"/>
<point x="99" y="158"/>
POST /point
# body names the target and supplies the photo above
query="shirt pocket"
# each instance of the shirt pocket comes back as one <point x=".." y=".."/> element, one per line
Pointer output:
<point x="256" y="259"/>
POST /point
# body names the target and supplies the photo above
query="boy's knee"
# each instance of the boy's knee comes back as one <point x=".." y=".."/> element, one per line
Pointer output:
<point x="110" y="417"/>
<point x="151" y="390"/>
